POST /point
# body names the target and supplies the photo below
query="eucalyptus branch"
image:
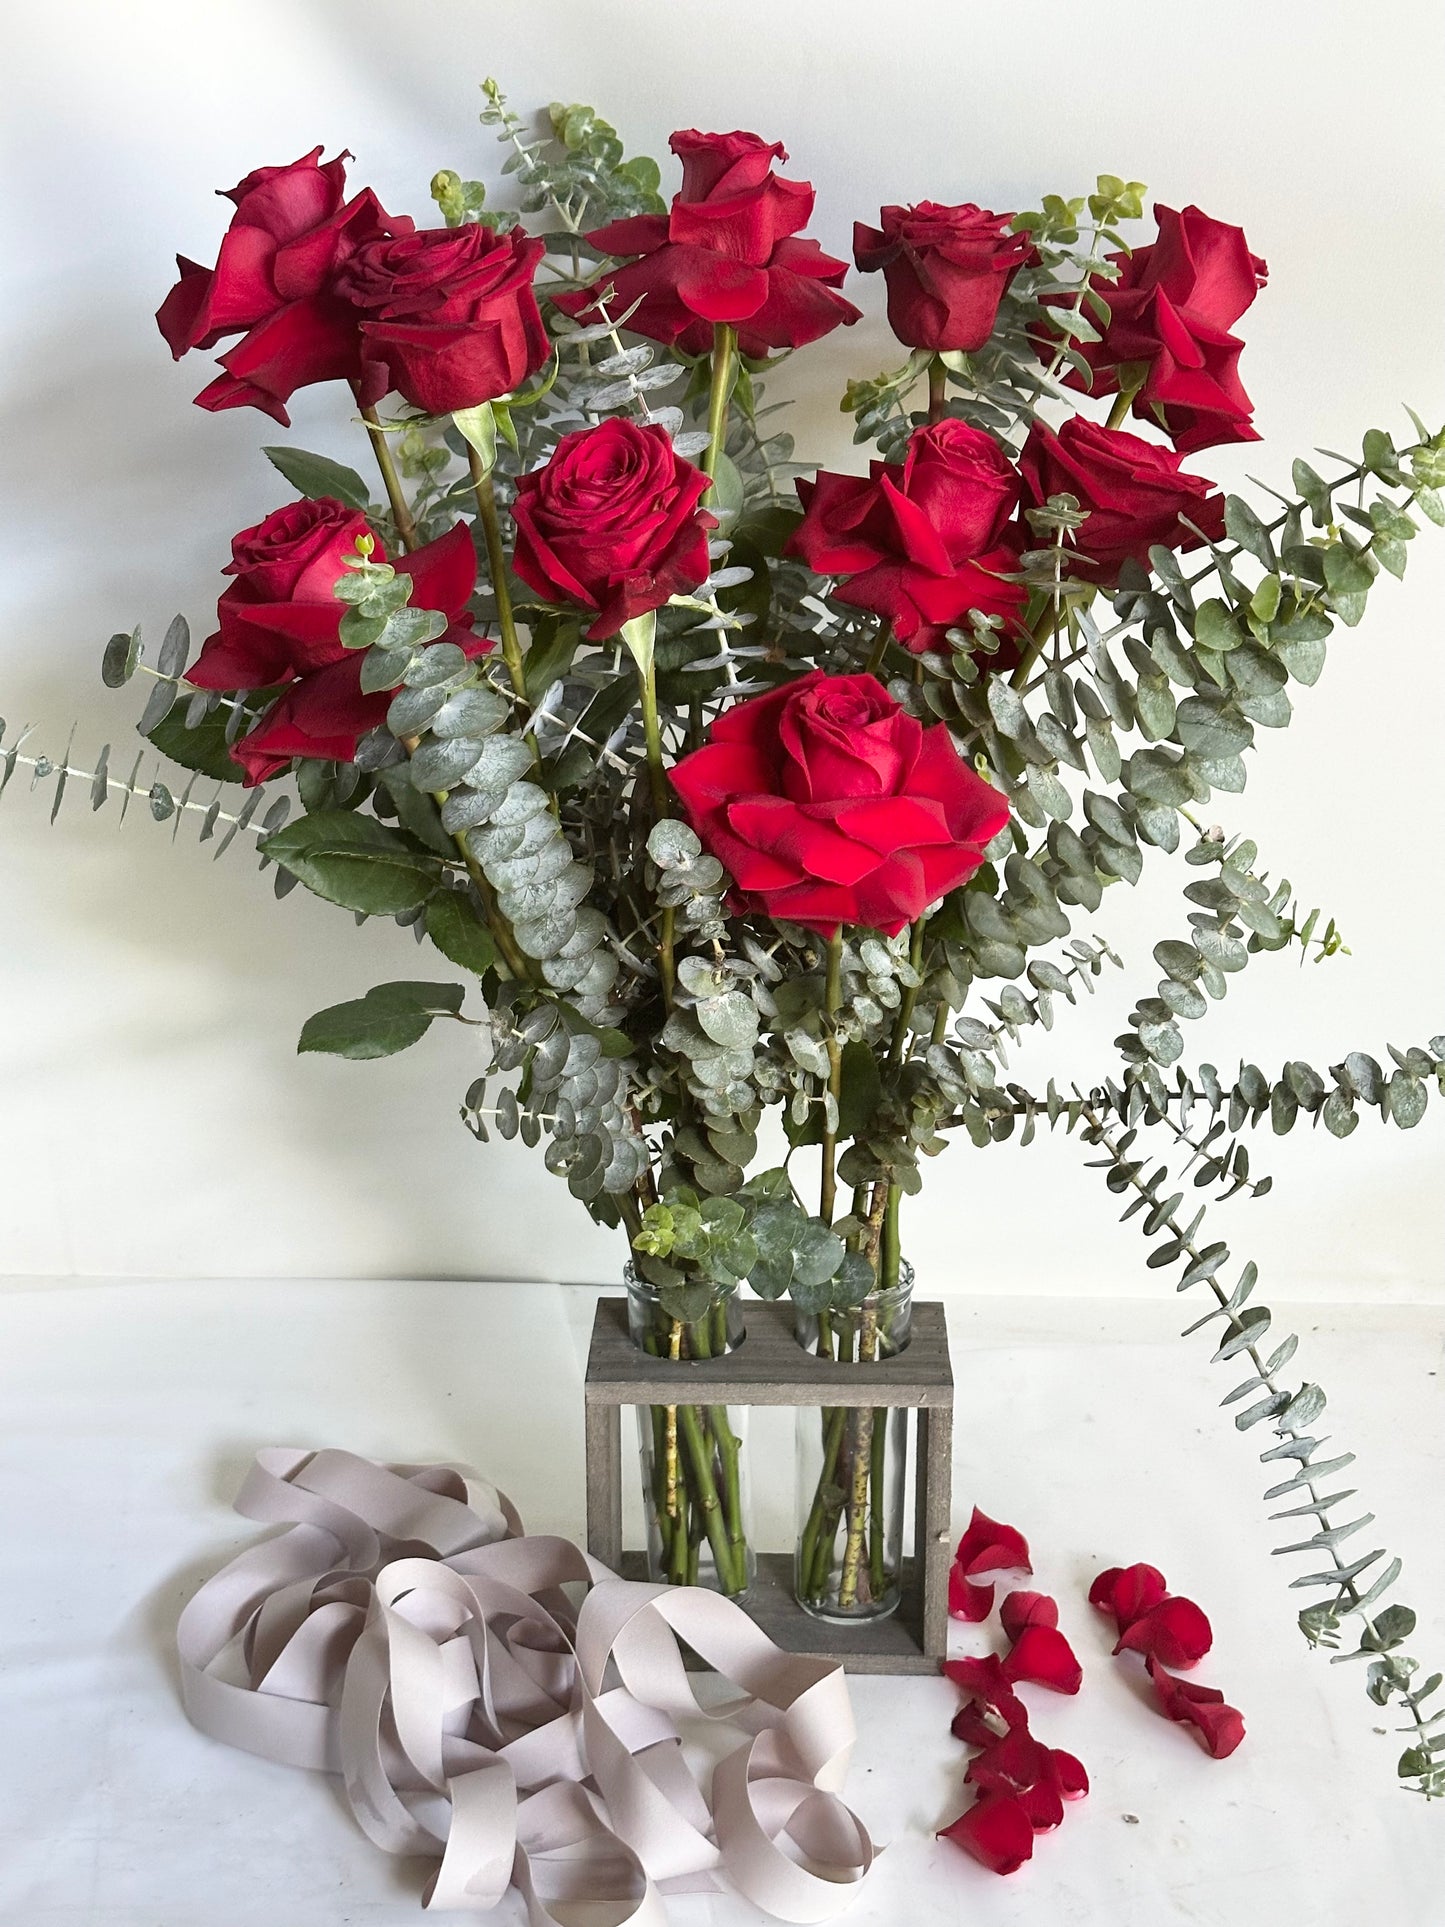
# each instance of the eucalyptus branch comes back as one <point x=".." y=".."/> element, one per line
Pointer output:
<point x="1290" y="1411"/>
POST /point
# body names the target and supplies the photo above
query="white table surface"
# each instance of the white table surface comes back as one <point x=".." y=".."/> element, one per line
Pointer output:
<point x="128" y="1412"/>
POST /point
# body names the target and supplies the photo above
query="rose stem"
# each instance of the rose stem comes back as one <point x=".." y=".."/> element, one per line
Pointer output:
<point x="690" y="1427"/>
<point x="861" y="1426"/>
<point x="1121" y="405"/>
<point x="400" y="513"/>
<point x="674" y="1352"/>
<point x="724" y="342"/>
<point x="877" y="1575"/>
<point x="832" y="998"/>
<point x="729" y="1450"/>
<point x="497" y="565"/>
<point x="937" y="382"/>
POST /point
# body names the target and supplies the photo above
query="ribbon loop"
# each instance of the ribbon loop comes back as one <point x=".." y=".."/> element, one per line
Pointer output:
<point x="508" y="1706"/>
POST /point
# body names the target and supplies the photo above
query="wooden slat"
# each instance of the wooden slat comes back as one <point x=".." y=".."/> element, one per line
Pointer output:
<point x="768" y="1368"/>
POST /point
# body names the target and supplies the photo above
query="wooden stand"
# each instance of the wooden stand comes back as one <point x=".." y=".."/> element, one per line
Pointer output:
<point x="771" y="1368"/>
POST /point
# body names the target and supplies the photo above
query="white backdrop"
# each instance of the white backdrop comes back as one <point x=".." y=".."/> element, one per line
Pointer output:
<point x="154" y="1117"/>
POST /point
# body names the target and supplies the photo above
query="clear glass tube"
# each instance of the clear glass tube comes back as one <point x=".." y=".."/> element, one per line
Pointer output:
<point x="852" y="1465"/>
<point x="693" y="1457"/>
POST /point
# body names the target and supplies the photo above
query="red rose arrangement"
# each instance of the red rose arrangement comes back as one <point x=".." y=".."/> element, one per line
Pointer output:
<point x="733" y="796"/>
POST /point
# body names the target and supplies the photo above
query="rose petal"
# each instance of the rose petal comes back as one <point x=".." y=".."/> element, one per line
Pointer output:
<point x="1220" y="1727"/>
<point x="1044" y="1657"/>
<point x="988" y="1546"/>
<point x="1073" y="1780"/>
<point x="996" y="1831"/>
<point x="1175" y="1632"/>
<point x="1127" y="1591"/>
<point x="1021" y="1609"/>
<point x="966" y="1600"/>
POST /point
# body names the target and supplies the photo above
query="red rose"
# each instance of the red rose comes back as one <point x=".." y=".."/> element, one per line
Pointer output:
<point x="1135" y="493"/>
<point x="1171" y="309"/>
<point x="274" y="283"/>
<point x="830" y="804"/>
<point x="280" y="623"/>
<point x="611" y="523"/>
<point x="920" y="542"/>
<point x="449" y="316"/>
<point x="946" y="269"/>
<point x="727" y="252"/>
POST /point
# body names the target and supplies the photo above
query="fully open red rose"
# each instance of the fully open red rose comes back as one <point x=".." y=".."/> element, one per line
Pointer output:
<point x="280" y="623"/>
<point x="611" y="523"/>
<point x="1135" y="493"/>
<point x="728" y="251"/>
<point x="946" y="269"/>
<point x="274" y="283"/>
<point x="1170" y="313"/>
<point x="829" y="804"/>
<point x="919" y="542"/>
<point x="449" y="317"/>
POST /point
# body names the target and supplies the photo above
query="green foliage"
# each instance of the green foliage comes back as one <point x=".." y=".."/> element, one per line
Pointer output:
<point x="389" y="1018"/>
<point x="318" y="475"/>
<point x="354" y="861"/>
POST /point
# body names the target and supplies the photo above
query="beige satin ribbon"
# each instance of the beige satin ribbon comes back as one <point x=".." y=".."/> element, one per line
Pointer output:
<point x="508" y="1704"/>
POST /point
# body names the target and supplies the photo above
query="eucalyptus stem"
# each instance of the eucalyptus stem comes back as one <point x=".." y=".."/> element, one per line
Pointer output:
<point x="724" y="349"/>
<point x="400" y="510"/>
<point x="488" y="516"/>
<point x="832" y="999"/>
<point x="937" y="389"/>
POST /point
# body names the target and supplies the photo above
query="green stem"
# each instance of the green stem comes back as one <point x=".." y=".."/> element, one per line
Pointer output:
<point x="892" y="1257"/>
<point x="877" y="1571"/>
<point x="488" y="516"/>
<point x="937" y="389"/>
<point x="1122" y="402"/>
<point x="910" y="994"/>
<point x="832" y="999"/>
<point x="1044" y="625"/>
<point x="661" y="801"/>
<point x="730" y="1581"/>
<point x="724" y="346"/>
<point x="400" y="512"/>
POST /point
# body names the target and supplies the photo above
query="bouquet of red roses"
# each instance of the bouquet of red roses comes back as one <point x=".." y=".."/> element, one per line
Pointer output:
<point x="728" y="795"/>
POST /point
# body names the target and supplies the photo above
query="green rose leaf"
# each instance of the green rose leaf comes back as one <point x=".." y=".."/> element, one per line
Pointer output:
<point x="356" y="862"/>
<point x="458" y="931"/>
<point x="317" y="475"/>
<point x="389" y="1018"/>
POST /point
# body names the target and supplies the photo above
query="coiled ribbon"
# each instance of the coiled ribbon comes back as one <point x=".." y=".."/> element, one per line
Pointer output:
<point x="507" y="1703"/>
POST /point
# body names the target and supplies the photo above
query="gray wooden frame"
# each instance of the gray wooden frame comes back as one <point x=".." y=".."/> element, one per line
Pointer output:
<point x="771" y="1368"/>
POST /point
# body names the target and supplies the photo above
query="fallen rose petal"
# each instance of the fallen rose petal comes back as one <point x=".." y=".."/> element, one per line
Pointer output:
<point x="976" y="1724"/>
<point x="1220" y="1727"/>
<point x="1175" y="1632"/>
<point x="1127" y="1591"/>
<point x="1073" y="1780"/>
<point x="996" y="1831"/>
<point x="984" y="1681"/>
<point x="966" y="1600"/>
<point x="1042" y="1656"/>
<point x="987" y="1546"/>
<point x="1021" y="1609"/>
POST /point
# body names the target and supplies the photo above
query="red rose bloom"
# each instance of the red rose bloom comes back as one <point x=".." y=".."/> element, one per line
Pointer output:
<point x="946" y="270"/>
<point x="1171" y="309"/>
<point x="449" y="317"/>
<point x="829" y="804"/>
<point x="280" y="623"/>
<point x="727" y="252"/>
<point x="274" y="283"/>
<point x="920" y="542"/>
<point x="1135" y="492"/>
<point x="611" y="523"/>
